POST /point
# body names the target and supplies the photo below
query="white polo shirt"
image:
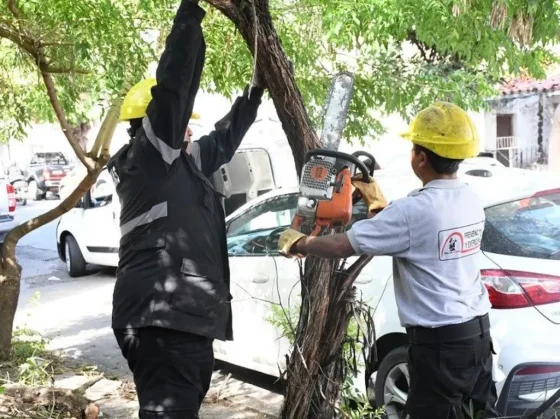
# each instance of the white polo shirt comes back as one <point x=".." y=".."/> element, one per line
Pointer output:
<point x="433" y="235"/>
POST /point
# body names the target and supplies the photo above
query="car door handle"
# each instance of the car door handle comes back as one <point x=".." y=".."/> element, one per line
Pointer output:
<point x="260" y="279"/>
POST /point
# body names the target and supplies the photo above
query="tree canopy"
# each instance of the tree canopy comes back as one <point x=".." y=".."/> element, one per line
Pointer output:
<point x="89" y="47"/>
<point x="405" y="53"/>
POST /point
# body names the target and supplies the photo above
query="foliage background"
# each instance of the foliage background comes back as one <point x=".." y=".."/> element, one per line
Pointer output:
<point x="405" y="53"/>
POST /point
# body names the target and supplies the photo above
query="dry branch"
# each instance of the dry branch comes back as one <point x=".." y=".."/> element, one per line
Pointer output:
<point x="27" y="399"/>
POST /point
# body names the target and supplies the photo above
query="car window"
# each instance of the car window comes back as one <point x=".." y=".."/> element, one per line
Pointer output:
<point x="526" y="228"/>
<point x="249" y="234"/>
<point x="102" y="193"/>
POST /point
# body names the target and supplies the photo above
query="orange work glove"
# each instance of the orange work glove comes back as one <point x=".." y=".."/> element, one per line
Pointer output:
<point x="371" y="194"/>
<point x="287" y="239"/>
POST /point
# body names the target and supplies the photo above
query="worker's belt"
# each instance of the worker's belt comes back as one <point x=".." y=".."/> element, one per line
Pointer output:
<point x="479" y="326"/>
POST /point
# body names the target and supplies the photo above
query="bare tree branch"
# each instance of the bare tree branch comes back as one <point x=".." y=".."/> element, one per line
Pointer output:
<point x="102" y="143"/>
<point x="23" y="41"/>
<point x="66" y="128"/>
<point x="14" y="9"/>
<point x="63" y="70"/>
<point x="31" y="47"/>
<point x="226" y="7"/>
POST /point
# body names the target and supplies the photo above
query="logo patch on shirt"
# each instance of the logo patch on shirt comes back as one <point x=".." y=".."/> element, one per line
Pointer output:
<point x="114" y="176"/>
<point x="460" y="242"/>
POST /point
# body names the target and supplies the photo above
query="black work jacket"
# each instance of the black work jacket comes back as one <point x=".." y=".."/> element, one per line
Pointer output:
<point x="173" y="270"/>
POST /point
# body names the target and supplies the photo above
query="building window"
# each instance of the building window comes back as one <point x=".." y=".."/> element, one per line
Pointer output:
<point x="504" y="125"/>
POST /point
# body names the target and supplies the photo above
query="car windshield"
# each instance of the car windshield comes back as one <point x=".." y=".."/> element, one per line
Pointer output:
<point x="526" y="227"/>
<point x="50" y="158"/>
<point x="250" y="233"/>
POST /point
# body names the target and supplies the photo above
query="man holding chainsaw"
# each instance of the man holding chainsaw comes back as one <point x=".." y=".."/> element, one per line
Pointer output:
<point x="441" y="299"/>
<point x="171" y="298"/>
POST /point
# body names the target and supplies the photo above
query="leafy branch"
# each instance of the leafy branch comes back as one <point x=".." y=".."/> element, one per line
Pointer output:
<point x="36" y="50"/>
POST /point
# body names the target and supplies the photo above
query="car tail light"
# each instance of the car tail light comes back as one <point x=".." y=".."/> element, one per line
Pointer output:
<point x="11" y="197"/>
<point x="515" y="289"/>
<point x="46" y="174"/>
<point x="548" y="192"/>
<point x="539" y="369"/>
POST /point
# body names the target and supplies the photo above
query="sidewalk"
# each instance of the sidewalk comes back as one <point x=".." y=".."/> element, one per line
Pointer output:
<point x="227" y="398"/>
<point x="74" y="315"/>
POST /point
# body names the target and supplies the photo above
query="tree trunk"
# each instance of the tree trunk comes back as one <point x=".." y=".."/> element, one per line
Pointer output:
<point x="315" y="367"/>
<point x="9" y="284"/>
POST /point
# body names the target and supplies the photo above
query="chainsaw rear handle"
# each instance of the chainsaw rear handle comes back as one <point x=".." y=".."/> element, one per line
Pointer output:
<point x="342" y="156"/>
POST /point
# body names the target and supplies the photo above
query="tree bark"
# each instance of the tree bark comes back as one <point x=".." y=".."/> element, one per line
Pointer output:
<point x="315" y="367"/>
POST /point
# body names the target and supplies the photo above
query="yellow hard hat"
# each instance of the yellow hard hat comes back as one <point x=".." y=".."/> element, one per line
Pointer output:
<point x="446" y="130"/>
<point x="137" y="100"/>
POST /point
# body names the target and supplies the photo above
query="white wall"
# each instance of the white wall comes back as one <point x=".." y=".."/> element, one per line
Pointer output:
<point x="554" y="144"/>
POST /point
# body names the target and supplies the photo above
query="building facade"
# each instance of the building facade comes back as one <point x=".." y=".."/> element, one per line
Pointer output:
<point x="518" y="125"/>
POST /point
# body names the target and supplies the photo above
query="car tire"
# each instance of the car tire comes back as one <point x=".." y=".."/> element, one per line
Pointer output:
<point x="34" y="192"/>
<point x="392" y="383"/>
<point x="75" y="262"/>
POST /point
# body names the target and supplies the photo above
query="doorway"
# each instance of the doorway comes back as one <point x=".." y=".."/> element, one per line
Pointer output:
<point x="504" y="138"/>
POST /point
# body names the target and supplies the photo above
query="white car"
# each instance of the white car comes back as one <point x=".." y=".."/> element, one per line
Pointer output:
<point x="520" y="265"/>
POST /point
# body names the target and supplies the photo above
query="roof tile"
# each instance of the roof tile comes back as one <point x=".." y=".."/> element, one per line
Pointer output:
<point x="525" y="84"/>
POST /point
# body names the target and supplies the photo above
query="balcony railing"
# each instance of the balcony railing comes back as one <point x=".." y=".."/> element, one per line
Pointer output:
<point x="506" y="142"/>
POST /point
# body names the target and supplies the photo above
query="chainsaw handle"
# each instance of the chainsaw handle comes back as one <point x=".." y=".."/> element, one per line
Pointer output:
<point x="343" y="156"/>
<point x="372" y="163"/>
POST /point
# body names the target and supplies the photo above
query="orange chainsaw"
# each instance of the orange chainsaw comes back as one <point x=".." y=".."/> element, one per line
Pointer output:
<point x="326" y="191"/>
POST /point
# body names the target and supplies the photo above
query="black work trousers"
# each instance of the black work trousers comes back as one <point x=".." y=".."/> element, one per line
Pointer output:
<point x="448" y="378"/>
<point x="172" y="370"/>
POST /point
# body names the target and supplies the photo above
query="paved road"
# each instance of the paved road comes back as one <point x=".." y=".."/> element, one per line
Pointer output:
<point x="44" y="237"/>
<point x="75" y="313"/>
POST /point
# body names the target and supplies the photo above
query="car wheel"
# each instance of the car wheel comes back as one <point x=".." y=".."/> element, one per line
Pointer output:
<point x="75" y="263"/>
<point x="34" y="191"/>
<point x="392" y="383"/>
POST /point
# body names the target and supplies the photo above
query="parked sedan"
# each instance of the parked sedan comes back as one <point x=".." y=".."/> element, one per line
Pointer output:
<point x="520" y="266"/>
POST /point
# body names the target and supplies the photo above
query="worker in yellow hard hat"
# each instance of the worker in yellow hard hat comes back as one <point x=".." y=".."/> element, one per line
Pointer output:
<point x="136" y="102"/>
<point x="172" y="294"/>
<point x="434" y="236"/>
